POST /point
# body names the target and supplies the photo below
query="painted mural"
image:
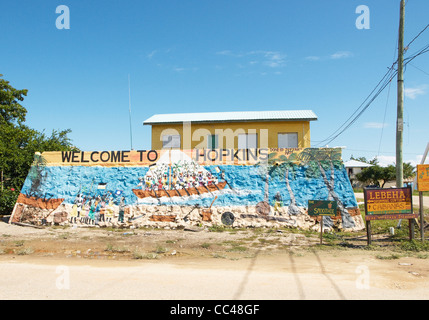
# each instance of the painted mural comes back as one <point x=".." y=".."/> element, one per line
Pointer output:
<point x="179" y="188"/>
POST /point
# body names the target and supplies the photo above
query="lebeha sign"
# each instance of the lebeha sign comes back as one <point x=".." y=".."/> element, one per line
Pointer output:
<point x="394" y="203"/>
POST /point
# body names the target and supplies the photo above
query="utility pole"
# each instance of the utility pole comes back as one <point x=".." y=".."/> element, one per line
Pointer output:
<point x="400" y="109"/>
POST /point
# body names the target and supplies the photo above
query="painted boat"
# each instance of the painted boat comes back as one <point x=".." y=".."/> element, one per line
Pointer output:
<point x="50" y="204"/>
<point x="179" y="192"/>
<point x="174" y="166"/>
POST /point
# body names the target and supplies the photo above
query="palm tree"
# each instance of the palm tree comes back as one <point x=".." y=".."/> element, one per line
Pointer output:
<point x="285" y="166"/>
<point x="35" y="174"/>
<point x="318" y="162"/>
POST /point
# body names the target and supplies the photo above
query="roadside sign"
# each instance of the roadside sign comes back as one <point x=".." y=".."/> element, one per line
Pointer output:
<point x="392" y="203"/>
<point x="423" y="177"/>
<point x="322" y="208"/>
<point x="389" y="204"/>
<point x="422" y="185"/>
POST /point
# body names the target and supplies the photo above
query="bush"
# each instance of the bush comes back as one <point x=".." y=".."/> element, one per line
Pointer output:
<point x="8" y="199"/>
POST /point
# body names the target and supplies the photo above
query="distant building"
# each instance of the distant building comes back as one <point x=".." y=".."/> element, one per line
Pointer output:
<point x="238" y="130"/>
<point x="354" y="167"/>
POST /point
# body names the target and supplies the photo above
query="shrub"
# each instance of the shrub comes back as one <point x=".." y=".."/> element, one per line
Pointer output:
<point x="7" y="200"/>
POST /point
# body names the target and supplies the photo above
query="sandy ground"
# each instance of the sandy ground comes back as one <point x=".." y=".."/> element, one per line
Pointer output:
<point x="83" y="263"/>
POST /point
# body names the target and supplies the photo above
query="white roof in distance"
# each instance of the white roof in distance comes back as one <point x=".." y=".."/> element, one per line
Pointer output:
<point x="356" y="164"/>
<point x="280" y="115"/>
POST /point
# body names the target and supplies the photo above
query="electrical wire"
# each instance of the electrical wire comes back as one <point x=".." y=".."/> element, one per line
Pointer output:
<point x="382" y="84"/>
<point x="419" y="69"/>
<point x="424" y="29"/>
<point x="384" y="119"/>
<point x="390" y="74"/>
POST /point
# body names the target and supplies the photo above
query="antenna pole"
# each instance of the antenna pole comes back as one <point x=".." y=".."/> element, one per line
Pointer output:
<point x="129" y="109"/>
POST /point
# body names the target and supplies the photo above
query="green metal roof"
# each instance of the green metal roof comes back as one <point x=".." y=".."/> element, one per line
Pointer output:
<point x="280" y="115"/>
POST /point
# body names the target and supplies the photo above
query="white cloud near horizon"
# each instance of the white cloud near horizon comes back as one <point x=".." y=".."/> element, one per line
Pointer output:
<point x="335" y="56"/>
<point x="272" y="59"/>
<point x="150" y="55"/>
<point x="384" y="161"/>
<point x="412" y="93"/>
<point x="312" y="58"/>
<point x="375" y="125"/>
<point x="341" y="55"/>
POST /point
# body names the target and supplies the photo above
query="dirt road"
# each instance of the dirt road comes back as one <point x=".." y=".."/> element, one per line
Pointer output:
<point x="177" y="264"/>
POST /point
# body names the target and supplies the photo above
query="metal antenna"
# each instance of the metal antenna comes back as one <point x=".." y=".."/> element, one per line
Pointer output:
<point x="129" y="108"/>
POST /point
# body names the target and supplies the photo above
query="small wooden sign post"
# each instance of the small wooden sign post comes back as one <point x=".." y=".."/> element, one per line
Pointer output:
<point x="422" y="185"/>
<point x="322" y="208"/>
<point x="388" y="204"/>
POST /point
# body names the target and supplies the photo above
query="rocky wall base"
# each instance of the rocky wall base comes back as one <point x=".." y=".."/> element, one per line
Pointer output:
<point x="172" y="217"/>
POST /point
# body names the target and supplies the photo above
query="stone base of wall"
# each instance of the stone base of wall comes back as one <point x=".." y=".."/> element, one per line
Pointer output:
<point x="175" y="216"/>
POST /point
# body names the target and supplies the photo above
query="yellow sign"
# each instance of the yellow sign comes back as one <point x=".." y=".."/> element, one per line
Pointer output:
<point x="393" y="203"/>
<point x="423" y="177"/>
<point x="204" y="157"/>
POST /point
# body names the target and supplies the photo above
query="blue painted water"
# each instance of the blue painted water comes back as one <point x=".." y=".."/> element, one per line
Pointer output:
<point x="246" y="186"/>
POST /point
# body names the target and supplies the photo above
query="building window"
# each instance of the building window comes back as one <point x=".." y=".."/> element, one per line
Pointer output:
<point x="171" y="141"/>
<point x="288" y="140"/>
<point x="212" y="141"/>
<point x="247" y="141"/>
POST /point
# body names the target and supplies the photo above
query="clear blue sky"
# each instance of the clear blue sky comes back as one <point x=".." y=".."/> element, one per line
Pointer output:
<point x="223" y="55"/>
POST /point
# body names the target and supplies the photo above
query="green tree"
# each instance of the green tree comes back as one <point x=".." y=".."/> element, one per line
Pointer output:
<point x="19" y="143"/>
<point x="409" y="170"/>
<point x="363" y="159"/>
<point x="373" y="175"/>
<point x="377" y="175"/>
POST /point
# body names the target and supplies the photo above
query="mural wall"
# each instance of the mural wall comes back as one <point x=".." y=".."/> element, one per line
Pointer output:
<point x="179" y="188"/>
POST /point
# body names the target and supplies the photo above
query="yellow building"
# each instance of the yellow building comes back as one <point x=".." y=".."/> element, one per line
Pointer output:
<point x="238" y="130"/>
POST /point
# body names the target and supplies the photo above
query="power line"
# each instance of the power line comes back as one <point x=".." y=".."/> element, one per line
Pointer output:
<point x="395" y="51"/>
<point x="419" y="69"/>
<point x="384" y="119"/>
<point x="424" y="29"/>
<point x="388" y="75"/>
<point x="382" y="84"/>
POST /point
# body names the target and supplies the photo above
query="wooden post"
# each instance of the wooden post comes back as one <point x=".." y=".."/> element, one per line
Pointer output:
<point x="368" y="232"/>
<point x="321" y="229"/>
<point x="422" y="219"/>
<point x="411" y="227"/>
<point x="368" y="223"/>
<point x="411" y="223"/>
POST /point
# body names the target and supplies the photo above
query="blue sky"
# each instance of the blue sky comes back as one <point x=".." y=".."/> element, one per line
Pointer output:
<point x="202" y="56"/>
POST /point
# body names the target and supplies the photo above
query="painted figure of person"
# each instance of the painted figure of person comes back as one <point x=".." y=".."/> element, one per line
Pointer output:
<point x="110" y="210"/>
<point x="278" y="201"/>
<point x="91" y="213"/>
<point x="73" y="213"/>
<point x="121" y="210"/>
